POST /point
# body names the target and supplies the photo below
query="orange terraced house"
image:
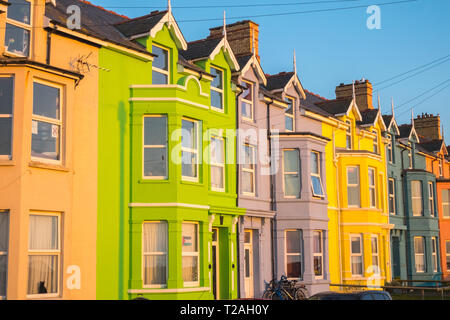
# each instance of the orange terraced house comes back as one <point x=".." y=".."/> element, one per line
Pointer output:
<point x="48" y="156"/>
<point x="428" y="126"/>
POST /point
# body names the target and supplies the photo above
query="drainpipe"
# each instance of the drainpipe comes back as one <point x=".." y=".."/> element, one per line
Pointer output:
<point x="49" y="46"/>
<point x="339" y="206"/>
<point x="238" y="247"/>
<point x="405" y="199"/>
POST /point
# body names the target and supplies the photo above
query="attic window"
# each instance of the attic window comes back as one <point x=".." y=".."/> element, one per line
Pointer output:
<point x="217" y="89"/>
<point x="160" y="69"/>
<point x="18" y="28"/>
<point x="375" y="141"/>
<point x="289" y="115"/>
<point x="348" y="133"/>
<point x="441" y="172"/>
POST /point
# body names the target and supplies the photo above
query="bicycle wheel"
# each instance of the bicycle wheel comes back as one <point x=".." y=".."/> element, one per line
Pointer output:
<point x="267" y="295"/>
<point x="300" y="294"/>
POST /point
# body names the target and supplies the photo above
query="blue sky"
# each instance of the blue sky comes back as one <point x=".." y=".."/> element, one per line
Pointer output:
<point x="336" y="46"/>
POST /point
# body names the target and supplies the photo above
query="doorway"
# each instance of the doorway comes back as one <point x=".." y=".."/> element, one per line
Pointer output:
<point x="248" y="264"/>
<point x="396" y="257"/>
<point x="215" y="263"/>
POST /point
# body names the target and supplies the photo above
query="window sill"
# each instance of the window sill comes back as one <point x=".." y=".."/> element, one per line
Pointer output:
<point x="150" y="181"/>
<point x="192" y="183"/>
<point x="7" y="163"/>
<point x="41" y="165"/>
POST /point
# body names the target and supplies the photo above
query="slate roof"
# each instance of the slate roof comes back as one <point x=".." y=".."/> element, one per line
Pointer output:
<point x="243" y="60"/>
<point x="140" y="25"/>
<point x="200" y="48"/>
<point x="336" y="106"/>
<point x="387" y="120"/>
<point x="432" y="145"/>
<point x="368" y="117"/>
<point x="405" y="130"/>
<point x="192" y="66"/>
<point x="278" y="81"/>
<point x="310" y="103"/>
<point x="95" y="21"/>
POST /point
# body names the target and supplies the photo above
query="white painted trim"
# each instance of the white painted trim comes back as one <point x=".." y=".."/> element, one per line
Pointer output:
<point x="168" y="204"/>
<point x="172" y="86"/>
<point x="224" y="44"/>
<point x="169" y="99"/>
<point x="253" y="61"/>
<point x="178" y="290"/>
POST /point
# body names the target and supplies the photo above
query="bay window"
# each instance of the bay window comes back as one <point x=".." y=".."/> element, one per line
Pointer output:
<point x="47" y="125"/>
<point x="291" y="173"/>
<point x="293" y="254"/>
<point x="372" y="188"/>
<point x="4" y="244"/>
<point x="155" y="246"/>
<point x="248" y="170"/>
<point x="44" y="255"/>
<point x="6" y="116"/>
<point x="431" y="198"/>
<point x="419" y="254"/>
<point x="434" y="253"/>
<point x="356" y="255"/>
<point x="416" y="198"/>
<point x="353" y="192"/>
<point x="190" y="149"/>
<point x="190" y="254"/>
<point x="18" y="28"/>
<point x="316" y="180"/>
<point x="289" y="114"/>
<point x="217" y="89"/>
<point x="392" y="191"/>
<point x="318" y="253"/>
<point x="247" y="100"/>
<point x="155" y="147"/>
<point x="446" y="203"/>
<point x="217" y="164"/>
<point x="375" y="254"/>
<point x="160" y="67"/>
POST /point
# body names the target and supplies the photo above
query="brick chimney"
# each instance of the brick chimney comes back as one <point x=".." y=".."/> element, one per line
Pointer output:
<point x="363" y="90"/>
<point x="428" y="125"/>
<point x="242" y="36"/>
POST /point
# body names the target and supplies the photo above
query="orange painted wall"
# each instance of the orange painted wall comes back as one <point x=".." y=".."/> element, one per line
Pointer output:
<point x="70" y="188"/>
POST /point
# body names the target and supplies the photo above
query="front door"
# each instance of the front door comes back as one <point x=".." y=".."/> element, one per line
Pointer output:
<point x="215" y="263"/>
<point x="248" y="264"/>
<point x="396" y="256"/>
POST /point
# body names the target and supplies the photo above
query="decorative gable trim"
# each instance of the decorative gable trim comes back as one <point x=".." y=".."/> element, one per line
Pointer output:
<point x="253" y="62"/>
<point x="351" y="107"/>
<point x="231" y="59"/>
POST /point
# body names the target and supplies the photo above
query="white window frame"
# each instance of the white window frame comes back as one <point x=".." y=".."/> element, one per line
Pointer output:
<point x="434" y="256"/>
<point x="60" y="122"/>
<point x="218" y="165"/>
<point x="319" y="254"/>
<point x="318" y="175"/>
<point x="251" y="170"/>
<point x="447" y="254"/>
<point x="431" y="198"/>
<point x="373" y="189"/>
<point x="156" y="146"/>
<point x="162" y="71"/>
<point x="358" y="185"/>
<point x="9" y="116"/>
<point x="390" y="149"/>
<point x="410" y="159"/>
<point x="188" y="284"/>
<point x="299" y="254"/>
<point x="375" y="255"/>
<point x="5" y="253"/>
<point x="446" y="205"/>
<point x="145" y="254"/>
<point x="219" y="90"/>
<point x="249" y="102"/>
<point x="417" y="197"/>
<point x="441" y="171"/>
<point x="375" y="142"/>
<point x="56" y="252"/>
<point x="22" y="25"/>
<point x="190" y="150"/>
<point x="291" y="173"/>
<point x="392" y="196"/>
<point x="292" y="116"/>
<point x="348" y="135"/>
<point x="420" y="254"/>
<point x="361" y="254"/>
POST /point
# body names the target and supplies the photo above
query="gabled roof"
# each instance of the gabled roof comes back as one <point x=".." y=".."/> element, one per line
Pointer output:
<point x="247" y="61"/>
<point x="406" y="131"/>
<point x="208" y="48"/>
<point x="369" y="117"/>
<point x="387" y="120"/>
<point x="95" y="21"/>
<point x="282" y="80"/>
<point x="310" y="104"/>
<point x="434" y="146"/>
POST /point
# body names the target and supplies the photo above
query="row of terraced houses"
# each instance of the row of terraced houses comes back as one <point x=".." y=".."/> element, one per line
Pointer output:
<point x="135" y="163"/>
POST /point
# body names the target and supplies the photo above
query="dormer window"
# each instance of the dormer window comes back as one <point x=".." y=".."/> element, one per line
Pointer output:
<point x="247" y="101"/>
<point x="18" y="28"/>
<point x="217" y="89"/>
<point x="289" y="114"/>
<point x="410" y="158"/>
<point x="348" y="133"/>
<point x="390" y="152"/>
<point x="375" y="142"/>
<point x="160" y="69"/>
<point x="441" y="172"/>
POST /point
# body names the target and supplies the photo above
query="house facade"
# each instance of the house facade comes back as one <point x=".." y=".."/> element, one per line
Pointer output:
<point x="48" y="156"/>
<point x="356" y="186"/>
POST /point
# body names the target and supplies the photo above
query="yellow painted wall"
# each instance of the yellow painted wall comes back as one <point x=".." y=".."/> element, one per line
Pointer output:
<point x="364" y="221"/>
<point x="69" y="189"/>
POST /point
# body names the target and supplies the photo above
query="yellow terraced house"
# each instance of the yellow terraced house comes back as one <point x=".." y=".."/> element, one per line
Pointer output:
<point x="359" y="249"/>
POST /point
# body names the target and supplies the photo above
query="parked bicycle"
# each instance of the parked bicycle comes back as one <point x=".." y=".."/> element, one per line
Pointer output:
<point x="284" y="290"/>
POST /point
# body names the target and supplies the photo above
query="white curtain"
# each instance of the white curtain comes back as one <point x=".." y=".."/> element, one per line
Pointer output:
<point x="190" y="252"/>
<point x="43" y="268"/>
<point x="155" y="253"/>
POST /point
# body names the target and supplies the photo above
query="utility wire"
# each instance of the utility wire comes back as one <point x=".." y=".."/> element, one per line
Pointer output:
<point x="428" y="98"/>
<point x="422" y="94"/>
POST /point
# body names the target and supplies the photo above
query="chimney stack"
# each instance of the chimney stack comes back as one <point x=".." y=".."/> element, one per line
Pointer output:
<point x="363" y="92"/>
<point x="428" y="125"/>
<point x="242" y="36"/>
